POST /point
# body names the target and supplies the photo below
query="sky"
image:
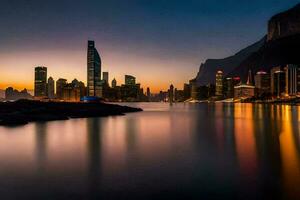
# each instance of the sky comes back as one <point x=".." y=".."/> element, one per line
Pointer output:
<point x="158" y="41"/>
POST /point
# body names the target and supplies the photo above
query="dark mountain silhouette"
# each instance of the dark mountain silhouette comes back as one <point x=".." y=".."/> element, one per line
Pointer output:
<point x="280" y="47"/>
<point x="207" y="71"/>
<point x="274" y="53"/>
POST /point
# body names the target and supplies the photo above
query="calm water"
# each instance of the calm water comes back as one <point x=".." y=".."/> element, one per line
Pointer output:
<point x="184" y="151"/>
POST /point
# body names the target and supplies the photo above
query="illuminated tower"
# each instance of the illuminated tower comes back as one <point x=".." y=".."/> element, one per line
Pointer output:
<point x="93" y="70"/>
<point x="40" y="81"/>
<point x="219" y="83"/>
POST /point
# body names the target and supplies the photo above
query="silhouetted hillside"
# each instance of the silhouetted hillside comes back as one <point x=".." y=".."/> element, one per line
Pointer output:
<point x="273" y="53"/>
<point x="208" y="70"/>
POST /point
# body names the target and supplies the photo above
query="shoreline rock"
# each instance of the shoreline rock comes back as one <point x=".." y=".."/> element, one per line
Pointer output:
<point x="24" y="111"/>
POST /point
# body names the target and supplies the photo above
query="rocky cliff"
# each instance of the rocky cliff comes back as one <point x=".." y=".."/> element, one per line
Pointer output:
<point x="280" y="47"/>
<point x="207" y="70"/>
<point x="284" y="24"/>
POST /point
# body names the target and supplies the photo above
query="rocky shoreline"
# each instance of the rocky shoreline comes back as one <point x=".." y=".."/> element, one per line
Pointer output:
<point x="24" y="111"/>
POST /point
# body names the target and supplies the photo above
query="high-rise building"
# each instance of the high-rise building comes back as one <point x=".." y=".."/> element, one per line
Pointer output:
<point x="40" y="82"/>
<point x="60" y="84"/>
<point x="250" y="78"/>
<point x="292" y="79"/>
<point x="229" y="87"/>
<point x="273" y="70"/>
<point x="186" y="91"/>
<point x="93" y="70"/>
<point x="171" y="94"/>
<point x="129" y="80"/>
<point x="279" y="83"/>
<point x="105" y="77"/>
<point x="262" y="82"/>
<point x="81" y="86"/>
<point x="50" y="88"/>
<point x="114" y="83"/>
<point x="219" y="83"/>
<point x="148" y="94"/>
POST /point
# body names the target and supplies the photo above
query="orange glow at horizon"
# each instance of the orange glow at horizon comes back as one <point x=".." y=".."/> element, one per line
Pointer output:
<point x="156" y="73"/>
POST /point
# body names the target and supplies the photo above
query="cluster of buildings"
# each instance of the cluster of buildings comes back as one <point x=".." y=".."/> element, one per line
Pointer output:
<point x="97" y="87"/>
<point x="282" y="82"/>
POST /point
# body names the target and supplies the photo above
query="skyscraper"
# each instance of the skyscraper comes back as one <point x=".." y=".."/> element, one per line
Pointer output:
<point x="105" y="77"/>
<point x="292" y="79"/>
<point x="129" y="80"/>
<point x="93" y="70"/>
<point x="60" y="84"/>
<point x="279" y="83"/>
<point x="273" y="70"/>
<point x="171" y="94"/>
<point x="219" y="83"/>
<point x="50" y="88"/>
<point x="114" y="83"/>
<point x="262" y="82"/>
<point x="148" y="94"/>
<point x="40" y="82"/>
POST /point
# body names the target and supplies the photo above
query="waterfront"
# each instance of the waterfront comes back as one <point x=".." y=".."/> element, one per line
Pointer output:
<point x="186" y="151"/>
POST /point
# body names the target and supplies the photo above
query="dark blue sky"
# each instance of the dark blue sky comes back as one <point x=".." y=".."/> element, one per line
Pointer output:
<point x="169" y="36"/>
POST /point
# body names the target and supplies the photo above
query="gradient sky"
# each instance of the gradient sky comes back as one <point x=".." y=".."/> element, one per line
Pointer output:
<point x="159" y="42"/>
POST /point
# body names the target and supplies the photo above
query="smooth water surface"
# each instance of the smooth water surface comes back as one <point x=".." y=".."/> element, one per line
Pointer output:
<point x="183" y="151"/>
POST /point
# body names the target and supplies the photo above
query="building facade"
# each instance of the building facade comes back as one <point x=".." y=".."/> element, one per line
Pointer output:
<point x="279" y="83"/>
<point x="50" y="88"/>
<point x="105" y="77"/>
<point x="244" y="91"/>
<point x="93" y="71"/>
<point x="60" y="84"/>
<point x="219" y="83"/>
<point x="130" y="80"/>
<point x="292" y="79"/>
<point x="262" y="82"/>
<point x="40" y="81"/>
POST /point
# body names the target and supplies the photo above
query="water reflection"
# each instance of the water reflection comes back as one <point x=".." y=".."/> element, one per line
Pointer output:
<point x="233" y="151"/>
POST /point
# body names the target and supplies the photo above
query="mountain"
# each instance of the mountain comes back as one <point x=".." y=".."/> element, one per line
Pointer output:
<point x="280" y="47"/>
<point x="207" y="71"/>
<point x="274" y="53"/>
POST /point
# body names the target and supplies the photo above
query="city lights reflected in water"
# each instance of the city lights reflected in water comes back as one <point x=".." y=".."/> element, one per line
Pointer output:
<point x="224" y="150"/>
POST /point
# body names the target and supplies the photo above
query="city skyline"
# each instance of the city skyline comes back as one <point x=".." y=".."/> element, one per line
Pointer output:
<point x="143" y="50"/>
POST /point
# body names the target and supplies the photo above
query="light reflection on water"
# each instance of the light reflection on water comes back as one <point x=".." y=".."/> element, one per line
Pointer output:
<point x="240" y="151"/>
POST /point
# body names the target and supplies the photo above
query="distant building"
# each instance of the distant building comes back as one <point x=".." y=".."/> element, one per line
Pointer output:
<point x="60" y="84"/>
<point x="229" y="86"/>
<point x="273" y="70"/>
<point x="244" y="91"/>
<point x="71" y="93"/>
<point x="194" y="89"/>
<point x="186" y="91"/>
<point x="11" y="94"/>
<point x="171" y="94"/>
<point x="50" y="88"/>
<point x="219" y="83"/>
<point x="262" y="82"/>
<point x="148" y="94"/>
<point x="279" y="83"/>
<point x="249" y="78"/>
<point x="93" y="71"/>
<point x="81" y="86"/>
<point x="292" y="79"/>
<point x="130" y="80"/>
<point x="40" y="81"/>
<point x="114" y="83"/>
<point x="105" y="77"/>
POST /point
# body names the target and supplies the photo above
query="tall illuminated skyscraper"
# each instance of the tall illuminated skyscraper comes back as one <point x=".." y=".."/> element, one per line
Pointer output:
<point x="219" y="83"/>
<point x="40" y="81"/>
<point x="93" y="71"/>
